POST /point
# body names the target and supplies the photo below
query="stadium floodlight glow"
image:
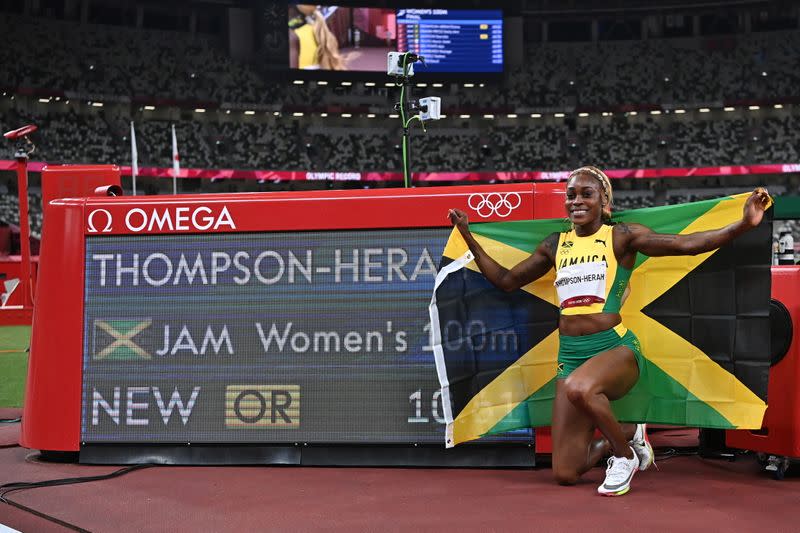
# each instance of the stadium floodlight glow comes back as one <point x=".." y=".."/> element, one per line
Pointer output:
<point x="488" y="116"/>
<point x="469" y="85"/>
<point x="199" y="110"/>
<point x="322" y="82"/>
<point x="464" y="116"/>
<point x="347" y="83"/>
<point x="438" y="85"/>
<point x="297" y="114"/>
<point x="583" y="114"/>
<point x="536" y="115"/>
<point x="153" y="108"/>
<point x="298" y="82"/>
<point x="44" y="100"/>
<point x="778" y="106"/>
<point x="511" y="115"/>
<point x="679" y="111"/>
<point x="97" y="104"/>
<point x="729" y="109"/>
<point x="559" y="115"/>
<point x="346" y="115"/>
<point x="370" y="84"/>
<point x="249" y="112"/>
<point x="753" y="108"/>
<point x="704" y="110"/>
<point x="655" y="112"/>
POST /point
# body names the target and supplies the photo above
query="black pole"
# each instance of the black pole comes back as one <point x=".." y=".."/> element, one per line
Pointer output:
<point x="407" y="175"/>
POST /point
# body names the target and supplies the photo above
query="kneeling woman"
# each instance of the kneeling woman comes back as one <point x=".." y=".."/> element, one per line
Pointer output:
<point x="598" y="358"/>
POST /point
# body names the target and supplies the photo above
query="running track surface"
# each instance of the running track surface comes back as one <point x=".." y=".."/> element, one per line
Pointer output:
<point x="687" y="494"/>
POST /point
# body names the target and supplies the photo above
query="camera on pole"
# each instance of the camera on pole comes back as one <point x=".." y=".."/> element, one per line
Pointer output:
<point x="400" y="65"/>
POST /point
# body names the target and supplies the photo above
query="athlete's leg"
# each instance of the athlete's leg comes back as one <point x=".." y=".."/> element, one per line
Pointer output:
<point x="575" y="450"/>
<point x="572" y="432"/>
<point x="605" y="377"/>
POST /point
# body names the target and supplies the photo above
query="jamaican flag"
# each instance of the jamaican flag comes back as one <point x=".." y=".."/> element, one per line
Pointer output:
<point x="703" y="322"/>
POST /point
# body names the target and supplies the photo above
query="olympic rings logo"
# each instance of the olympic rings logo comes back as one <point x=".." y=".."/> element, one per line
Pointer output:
<point x="494" y="203"/>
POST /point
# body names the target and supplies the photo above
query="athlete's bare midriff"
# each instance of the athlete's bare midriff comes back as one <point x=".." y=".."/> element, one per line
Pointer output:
<point x="576" y="325"/>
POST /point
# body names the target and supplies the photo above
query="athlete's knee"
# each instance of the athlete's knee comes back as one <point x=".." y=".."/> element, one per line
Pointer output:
<point x="578" y="391"/>
<point x="565" y="476"/>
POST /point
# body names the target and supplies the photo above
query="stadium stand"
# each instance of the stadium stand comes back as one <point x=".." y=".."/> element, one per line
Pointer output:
<point x="616" y="142"/>
<point x="60" y="83"/>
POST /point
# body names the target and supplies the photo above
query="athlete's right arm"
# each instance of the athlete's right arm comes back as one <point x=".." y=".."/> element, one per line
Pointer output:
<point x="530" y="269"/>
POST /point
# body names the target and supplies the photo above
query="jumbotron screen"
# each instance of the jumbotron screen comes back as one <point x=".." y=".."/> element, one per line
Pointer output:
<point x="270" y="337"/>
<point x="359" y="39"/>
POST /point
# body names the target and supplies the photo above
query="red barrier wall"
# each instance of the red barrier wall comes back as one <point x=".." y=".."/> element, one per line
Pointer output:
<point x="76" y="181"/>
<point x="781" y="432"/>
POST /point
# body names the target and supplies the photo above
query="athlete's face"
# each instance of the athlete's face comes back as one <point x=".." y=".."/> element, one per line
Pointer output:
<point x="584" y="199"/>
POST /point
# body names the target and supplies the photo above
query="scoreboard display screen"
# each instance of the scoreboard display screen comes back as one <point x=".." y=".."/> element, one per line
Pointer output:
<point x="452" y="40"/>
<point x="359" y="39"/>
<point x="279" y="337"/>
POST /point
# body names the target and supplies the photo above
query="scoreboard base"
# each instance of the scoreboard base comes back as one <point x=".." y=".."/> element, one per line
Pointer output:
<point x="467" y="456"/>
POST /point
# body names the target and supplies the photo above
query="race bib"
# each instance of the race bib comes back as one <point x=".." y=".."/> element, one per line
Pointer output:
<point x="581" y="284"/>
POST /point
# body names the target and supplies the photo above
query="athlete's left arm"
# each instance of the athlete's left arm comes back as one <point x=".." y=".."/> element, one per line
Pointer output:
<point x="642" y="239"/>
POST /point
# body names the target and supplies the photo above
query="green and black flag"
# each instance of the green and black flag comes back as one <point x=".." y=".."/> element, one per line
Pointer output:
<point x="703" y="322"/>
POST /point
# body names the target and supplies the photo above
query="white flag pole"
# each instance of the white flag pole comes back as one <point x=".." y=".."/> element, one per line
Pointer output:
<point x="134" y="158"/>
<point x="176" y="166"/>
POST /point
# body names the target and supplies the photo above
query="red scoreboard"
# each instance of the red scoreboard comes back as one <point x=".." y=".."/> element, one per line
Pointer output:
<point x="294" y="318"/>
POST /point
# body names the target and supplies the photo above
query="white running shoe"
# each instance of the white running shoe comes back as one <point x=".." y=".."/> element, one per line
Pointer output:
<point x="619" y="474"/>
<point x="642" y="447"/>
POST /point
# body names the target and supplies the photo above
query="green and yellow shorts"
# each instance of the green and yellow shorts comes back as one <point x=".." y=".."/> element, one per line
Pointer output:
<point x="574" y="351"/>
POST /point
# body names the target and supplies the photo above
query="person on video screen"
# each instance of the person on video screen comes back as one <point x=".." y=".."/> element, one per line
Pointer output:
<point x="312" y="45"/>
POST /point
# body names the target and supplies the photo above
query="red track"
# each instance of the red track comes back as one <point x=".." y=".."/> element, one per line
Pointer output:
<point x="687" y="494"/>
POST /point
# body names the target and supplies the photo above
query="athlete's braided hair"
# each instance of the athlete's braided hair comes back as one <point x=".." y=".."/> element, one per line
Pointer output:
<point x="605" y="183"/>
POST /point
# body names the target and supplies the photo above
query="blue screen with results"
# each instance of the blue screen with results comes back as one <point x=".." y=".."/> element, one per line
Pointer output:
<point x="453" y="40"/>
<point x="312" y="336"/>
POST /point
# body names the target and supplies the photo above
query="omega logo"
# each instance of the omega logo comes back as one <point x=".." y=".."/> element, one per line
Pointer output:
<point x="91" y="221"/>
